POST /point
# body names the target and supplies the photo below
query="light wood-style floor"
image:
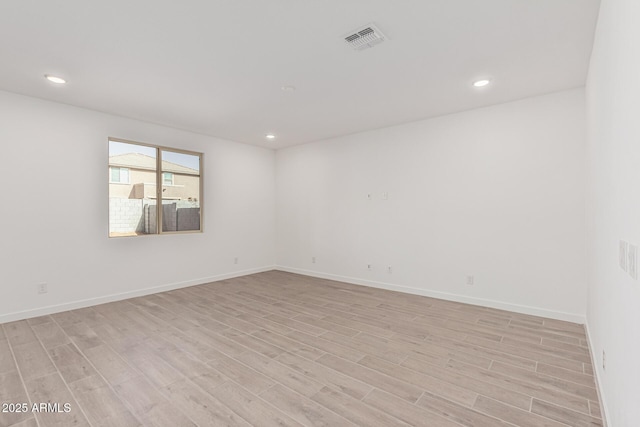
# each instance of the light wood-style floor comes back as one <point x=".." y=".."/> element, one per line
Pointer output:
<point x="281" y="349"/>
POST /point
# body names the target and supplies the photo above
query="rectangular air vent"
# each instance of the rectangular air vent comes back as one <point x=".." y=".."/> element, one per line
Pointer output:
<point x="364" y="37"/>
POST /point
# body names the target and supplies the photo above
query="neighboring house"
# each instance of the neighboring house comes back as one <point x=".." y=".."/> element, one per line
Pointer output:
<point x="133" y="176"/>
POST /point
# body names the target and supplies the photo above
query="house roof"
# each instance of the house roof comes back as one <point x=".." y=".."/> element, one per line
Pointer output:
<point x="142" y="161"/>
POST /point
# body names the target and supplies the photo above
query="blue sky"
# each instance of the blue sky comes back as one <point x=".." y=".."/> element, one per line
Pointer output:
<point x="187" y="160"/>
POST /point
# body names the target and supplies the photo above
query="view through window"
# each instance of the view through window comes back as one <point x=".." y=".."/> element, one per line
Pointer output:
<point x="153" y="189"/>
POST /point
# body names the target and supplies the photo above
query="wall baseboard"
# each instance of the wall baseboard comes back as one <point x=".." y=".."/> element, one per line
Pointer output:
<point x="601" y="399"/>
<point x="42" y="311"/>
<point x="534" y="311"/>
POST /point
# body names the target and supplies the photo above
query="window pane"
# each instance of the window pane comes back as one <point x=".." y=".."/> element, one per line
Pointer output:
<point x="181" y="195"/>
<point x="167" y="178"/>
<point x="115" y="174"/>
<point x="132" y="189"/>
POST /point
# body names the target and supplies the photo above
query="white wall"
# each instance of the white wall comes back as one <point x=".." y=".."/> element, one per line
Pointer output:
<point x="613" y="105"/>
<point x="497" y="193"/>
<point x="54" y="223"/>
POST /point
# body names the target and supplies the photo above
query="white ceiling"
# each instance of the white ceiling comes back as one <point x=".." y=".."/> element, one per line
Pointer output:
<point x="217" y="66"/>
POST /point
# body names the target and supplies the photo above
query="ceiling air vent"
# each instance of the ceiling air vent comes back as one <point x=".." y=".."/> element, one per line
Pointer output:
<point x="365" y="37"/>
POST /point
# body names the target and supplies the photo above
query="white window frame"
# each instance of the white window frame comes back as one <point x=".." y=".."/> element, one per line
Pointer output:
<point x="111" y="181"/>
<point x="173" y="177"/>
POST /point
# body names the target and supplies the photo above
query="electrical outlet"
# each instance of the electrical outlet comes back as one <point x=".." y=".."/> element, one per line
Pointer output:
<point x="633" y="261"/>
<point x="470" y="280"/>
<point x="313" y="260"/>
<point x="369" y="267"/>
<point x="389" y="270"/>
<point x="42" y="288"/>
<point x="235" y="260"/>
<point x="604" y="361"/>
<point x="624" y="248"/>
<point x="385" y="196"/>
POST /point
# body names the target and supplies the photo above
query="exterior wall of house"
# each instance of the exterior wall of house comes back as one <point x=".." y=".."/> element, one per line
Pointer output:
<point x="185" y="186"/>
<point x="142" y="186"/>
<point x="126" y="191"/>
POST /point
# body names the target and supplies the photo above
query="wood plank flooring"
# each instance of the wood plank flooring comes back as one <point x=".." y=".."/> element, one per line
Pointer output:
<point x="287" y="350"/>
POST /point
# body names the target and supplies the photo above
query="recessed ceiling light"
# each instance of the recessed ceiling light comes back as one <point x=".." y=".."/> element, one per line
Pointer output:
<point x="55" y="79"/>
<point x="288" y="88"/>
<point x="481" y="83"/>
<point x="270" y="136"/>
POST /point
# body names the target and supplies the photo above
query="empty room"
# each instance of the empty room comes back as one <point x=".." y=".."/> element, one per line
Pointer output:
<point x="320" y="213"/>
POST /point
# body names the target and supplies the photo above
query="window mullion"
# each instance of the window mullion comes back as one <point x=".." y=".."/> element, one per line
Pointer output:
<point x="159" y="211"/>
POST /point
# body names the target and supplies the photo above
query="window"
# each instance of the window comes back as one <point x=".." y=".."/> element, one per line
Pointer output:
<point x="119" y="175"/>
<point x="167" y="178"/>
<point x="153" y="189"/>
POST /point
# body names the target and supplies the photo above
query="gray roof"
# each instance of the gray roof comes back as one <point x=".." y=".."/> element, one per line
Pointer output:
<point x="142" y="161"/>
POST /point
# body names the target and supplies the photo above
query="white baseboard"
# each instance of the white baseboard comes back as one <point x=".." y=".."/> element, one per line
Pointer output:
<point x="42" y="311"/>
<point x="596" y="370"/>
<point x="534" y="311"/>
